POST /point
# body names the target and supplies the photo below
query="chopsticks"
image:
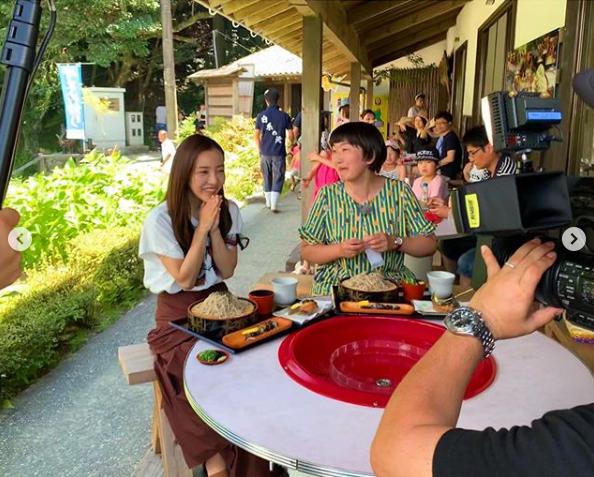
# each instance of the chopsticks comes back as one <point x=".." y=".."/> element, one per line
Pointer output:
<point x="464" y="293"/>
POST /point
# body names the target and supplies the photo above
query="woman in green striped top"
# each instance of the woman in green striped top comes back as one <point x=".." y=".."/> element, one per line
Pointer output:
<point x="363" y="211"/>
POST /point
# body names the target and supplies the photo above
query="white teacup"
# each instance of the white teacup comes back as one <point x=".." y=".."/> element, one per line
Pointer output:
<point x="285" y="290"/>
<point x="441" y="284"/>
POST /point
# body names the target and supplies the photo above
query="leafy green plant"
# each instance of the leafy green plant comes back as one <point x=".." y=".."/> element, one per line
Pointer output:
<point x="100" y="193"/>
<point x="62" y="305"/>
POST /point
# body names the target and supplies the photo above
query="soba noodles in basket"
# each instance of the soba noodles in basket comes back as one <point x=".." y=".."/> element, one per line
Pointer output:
<point x="369" y="282"/>
<point x="222" y="306"/>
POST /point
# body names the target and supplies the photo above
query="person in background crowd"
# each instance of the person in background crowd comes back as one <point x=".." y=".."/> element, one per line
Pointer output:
<point x="413" y="134"/>
<point x="417" y="435"/>
<point x="368" y="116"/>
<point x="448" y="146"/>
<point x="393" y="168"/>
<point x="460" y="252"/>
<point x="473" y="174"/>
<point x="344" y="112"/>
<point x="201" y="118"/>
<point x="10" y="259"/>
<point x="430" y="184"/>
<point x="161" y="118"/>
<point x="323" y="171"/>
<point x="419" y="108"/>
<point x="167" y="151"/>
<point x="297" y="126"/>
<point x="272" y="125"/>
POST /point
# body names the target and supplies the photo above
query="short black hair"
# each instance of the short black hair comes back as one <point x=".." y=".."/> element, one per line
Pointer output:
<point x="364" y="136"/>
<point x="445" y="115"/>
<point x="366" y="112"/>
<point x="476" y="136"/>
<point x="271" y="95"/>
<point x="420" y="96"/>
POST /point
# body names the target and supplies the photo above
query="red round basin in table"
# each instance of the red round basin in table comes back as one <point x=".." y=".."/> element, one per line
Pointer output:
<point x="361" y="360"/>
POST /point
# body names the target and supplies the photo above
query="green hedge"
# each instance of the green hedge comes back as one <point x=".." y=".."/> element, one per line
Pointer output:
<point x="62" y="306"/>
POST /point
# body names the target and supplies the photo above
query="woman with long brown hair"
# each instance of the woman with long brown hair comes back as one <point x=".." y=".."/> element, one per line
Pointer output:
<point x="189" y="247"/>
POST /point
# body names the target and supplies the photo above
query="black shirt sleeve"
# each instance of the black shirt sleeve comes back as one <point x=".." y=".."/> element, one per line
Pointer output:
<point x="560" y="444"/>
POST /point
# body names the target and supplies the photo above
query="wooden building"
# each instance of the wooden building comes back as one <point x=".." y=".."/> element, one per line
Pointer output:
<point x="230" y="89"/>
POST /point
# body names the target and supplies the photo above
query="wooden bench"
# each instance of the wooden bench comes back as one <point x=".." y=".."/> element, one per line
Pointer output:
<point x="137" y="363"/>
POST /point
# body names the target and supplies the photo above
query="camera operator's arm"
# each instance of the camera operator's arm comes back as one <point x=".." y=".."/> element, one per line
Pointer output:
<point x="427" y="402"/>
<point x="10" y="259"/>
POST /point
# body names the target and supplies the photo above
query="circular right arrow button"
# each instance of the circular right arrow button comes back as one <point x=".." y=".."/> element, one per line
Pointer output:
<point x="574" y="239"/>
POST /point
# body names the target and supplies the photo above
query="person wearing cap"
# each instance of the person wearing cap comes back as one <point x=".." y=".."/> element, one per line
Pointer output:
<point x="430" y="185"/>
<point x="393" y="168"/>
<point x="272" y="125"/>
<point x="419" y="108"/>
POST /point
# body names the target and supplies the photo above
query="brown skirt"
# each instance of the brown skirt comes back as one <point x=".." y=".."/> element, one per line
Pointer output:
<point x="196" y="439"/>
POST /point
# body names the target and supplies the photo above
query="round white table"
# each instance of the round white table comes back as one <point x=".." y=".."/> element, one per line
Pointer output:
<point x="252" y="402"/>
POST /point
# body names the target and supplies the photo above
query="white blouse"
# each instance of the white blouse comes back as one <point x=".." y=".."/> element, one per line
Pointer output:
<point x="157" y="238"/>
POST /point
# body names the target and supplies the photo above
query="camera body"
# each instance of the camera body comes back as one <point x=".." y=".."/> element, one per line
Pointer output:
<point x="507" y="211"/>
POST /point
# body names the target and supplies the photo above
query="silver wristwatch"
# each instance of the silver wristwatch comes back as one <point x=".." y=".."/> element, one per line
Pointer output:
<point x="469" y="322"/>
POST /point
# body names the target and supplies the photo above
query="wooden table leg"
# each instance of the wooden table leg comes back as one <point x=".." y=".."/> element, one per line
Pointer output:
<point x="174" y="464"/>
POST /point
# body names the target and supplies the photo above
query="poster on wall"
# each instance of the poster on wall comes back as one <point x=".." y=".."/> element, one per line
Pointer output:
<point x="379" y="108"/>
<point x="533" y="67"/>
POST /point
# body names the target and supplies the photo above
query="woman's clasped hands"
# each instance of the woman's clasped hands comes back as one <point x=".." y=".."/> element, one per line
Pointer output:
<point x="210" y="213"/>
<point x="379" y="242"/>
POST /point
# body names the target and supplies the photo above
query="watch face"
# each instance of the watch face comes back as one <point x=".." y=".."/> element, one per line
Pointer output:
<point x="462" y="321"/>
<point x="465" y="323"/>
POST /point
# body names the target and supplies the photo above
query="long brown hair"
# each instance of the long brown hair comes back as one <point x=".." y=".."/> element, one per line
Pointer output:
<point x="178" y="189"/>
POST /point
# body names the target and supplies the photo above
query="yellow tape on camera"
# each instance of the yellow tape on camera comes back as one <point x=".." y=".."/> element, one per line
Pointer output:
<point x="473" y="211"/>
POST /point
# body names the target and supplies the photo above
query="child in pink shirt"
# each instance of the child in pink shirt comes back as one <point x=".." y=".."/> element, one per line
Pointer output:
<point x="430" y="184"/>
<point x="322" y="172"/>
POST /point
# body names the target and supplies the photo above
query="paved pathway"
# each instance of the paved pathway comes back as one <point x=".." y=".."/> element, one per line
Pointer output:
<point x="82" y="419"/>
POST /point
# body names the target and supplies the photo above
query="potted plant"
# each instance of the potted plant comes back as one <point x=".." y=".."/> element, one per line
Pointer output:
<point x="413" y="289"/>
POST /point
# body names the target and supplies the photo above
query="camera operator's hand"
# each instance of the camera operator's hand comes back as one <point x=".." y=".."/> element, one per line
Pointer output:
<point x="506" y="300"/>
<point x="10" y="259"/>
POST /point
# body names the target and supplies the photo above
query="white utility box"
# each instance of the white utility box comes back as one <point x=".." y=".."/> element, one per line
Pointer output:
<point x="135" y="129"/>
<point x="105" y="122"/>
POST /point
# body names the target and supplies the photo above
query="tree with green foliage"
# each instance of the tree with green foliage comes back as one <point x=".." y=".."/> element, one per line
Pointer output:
<point x="121" y="42"/>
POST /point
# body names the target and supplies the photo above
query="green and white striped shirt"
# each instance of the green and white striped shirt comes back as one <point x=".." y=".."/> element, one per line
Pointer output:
<point x="336" y="217"/>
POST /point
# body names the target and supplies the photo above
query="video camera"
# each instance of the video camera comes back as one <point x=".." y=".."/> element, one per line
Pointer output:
<point x="505" y="212"/>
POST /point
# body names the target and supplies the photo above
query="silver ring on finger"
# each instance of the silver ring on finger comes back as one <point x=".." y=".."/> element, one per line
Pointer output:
<point x="509" y="264"/>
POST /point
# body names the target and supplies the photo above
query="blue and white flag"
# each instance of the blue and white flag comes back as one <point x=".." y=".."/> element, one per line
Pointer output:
<point x="71" y="81"/>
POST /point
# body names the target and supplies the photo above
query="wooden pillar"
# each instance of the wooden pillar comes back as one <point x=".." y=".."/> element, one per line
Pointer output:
<point x="576" y="54"/>
<point x="355" y="89"/>
<point x="169" y="69"/>
<point x="235" y="97"/>
<point x="287" y="99"/>
<point x="369" y="99"/>
<point x="310" y="98"/>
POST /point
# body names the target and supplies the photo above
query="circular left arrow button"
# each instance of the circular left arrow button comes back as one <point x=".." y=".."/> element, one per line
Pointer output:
<point x="20" y="239"/>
